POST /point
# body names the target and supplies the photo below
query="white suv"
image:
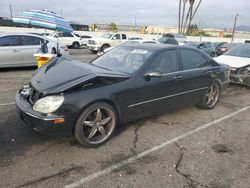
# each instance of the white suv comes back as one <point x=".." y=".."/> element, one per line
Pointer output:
<point x="69" y="39"/>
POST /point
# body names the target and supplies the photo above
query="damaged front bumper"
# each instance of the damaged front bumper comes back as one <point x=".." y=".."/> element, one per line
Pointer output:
<point x="240" y="75"/>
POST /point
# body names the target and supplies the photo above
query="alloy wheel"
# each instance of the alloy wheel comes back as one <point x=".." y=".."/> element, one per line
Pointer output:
<point x="213" y="95"/>
<point x="98" y="125"/>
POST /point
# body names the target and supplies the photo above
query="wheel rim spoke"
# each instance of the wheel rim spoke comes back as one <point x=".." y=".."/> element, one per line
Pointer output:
<point x="211" y="89"/>
<point x="209" y="100"/>
<point x="92" y="133"/>
<point x="102" y="130"/>
<point x="105" y="121"/>
<point x="98" y="115"/>
<point x="98" y="125"/>
<point x="89" y="123"/>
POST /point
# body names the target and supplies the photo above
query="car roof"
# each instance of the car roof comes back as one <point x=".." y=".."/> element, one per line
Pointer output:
<point x="155" y="46"/>
<point x="26" y="34"/>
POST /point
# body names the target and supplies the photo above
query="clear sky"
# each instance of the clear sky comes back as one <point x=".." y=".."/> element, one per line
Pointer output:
<point x="212" y="13"/>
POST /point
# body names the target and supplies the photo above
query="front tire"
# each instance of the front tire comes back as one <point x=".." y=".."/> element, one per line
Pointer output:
<point x="96" y="124"/>
<point x="105" y="46"/>
<point x="212" y="54"/>
<point x="210" y="97"/>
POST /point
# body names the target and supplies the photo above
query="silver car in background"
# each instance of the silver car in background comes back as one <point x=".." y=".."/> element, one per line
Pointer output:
<point x="17" y="49"/>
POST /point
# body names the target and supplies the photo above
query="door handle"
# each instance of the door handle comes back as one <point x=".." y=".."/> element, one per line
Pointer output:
<point x="177" y="77"/>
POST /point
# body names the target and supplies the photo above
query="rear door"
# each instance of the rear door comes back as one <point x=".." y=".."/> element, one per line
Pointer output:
<point x="30" y="46"/>
<point x="196" y="75"/>
<point x="10" y="51"/>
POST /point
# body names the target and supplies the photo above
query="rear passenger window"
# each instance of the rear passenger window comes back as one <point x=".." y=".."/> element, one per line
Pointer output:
<point x="29" y="41"/>
<point x="166" y="62"/>
<point x="192" y="59"/>
<point x="67" y="34"/>
<point x="124" y="36"/>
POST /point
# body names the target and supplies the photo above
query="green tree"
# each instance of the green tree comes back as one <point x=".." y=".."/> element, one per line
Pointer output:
<point x="112" y="27"/>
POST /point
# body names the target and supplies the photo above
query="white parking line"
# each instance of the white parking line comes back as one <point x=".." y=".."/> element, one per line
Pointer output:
<point x="7" y="104"/>
<point x="151" y="150"/>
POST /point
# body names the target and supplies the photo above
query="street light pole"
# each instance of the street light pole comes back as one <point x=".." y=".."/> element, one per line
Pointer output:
<point x="235" y="21"/>
<point x="11" y="12"/>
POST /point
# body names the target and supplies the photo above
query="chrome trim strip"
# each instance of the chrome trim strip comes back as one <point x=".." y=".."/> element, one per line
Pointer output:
<point x="45" y="118"/>
<point x="152" y="100"/>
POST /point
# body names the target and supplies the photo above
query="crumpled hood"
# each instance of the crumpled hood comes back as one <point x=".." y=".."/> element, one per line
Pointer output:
<point x="233" y="61"/>
<point x="61" y="74"/>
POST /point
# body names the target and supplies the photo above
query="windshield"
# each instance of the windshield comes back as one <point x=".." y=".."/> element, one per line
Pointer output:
<point x="239" y="51"/>
<point x="107" y="35"/>
<point x="123" y="59"/>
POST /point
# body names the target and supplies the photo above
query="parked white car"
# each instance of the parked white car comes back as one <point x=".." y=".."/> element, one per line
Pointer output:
<point x="105" y="41"/>
<point x="139" y="41"/>
<point x="238" y="59"/>
<point x="17" y="49"/>
<point x="71" y="40"/>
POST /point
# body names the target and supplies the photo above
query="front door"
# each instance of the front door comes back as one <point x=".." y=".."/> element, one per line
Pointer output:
<point x="155" y="94"/>
<point x="9" y="51"/>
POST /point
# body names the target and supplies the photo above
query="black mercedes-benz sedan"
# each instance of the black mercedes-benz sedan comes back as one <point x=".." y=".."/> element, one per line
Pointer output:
<point x="88" y="100"/>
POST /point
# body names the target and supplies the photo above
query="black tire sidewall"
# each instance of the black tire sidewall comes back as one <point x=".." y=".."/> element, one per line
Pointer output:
<point x="75" y="45"/>
<point x="78" y="131"/>
<point x="104" y="47"/>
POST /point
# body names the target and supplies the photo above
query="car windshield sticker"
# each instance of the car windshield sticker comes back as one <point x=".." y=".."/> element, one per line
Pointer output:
<point x="138" y="51"/>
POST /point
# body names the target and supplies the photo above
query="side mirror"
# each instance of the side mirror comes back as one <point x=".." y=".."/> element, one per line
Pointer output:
<point x="201" y="47"/>
<point x="147" y="76"/>
<point x="114" y="38"/>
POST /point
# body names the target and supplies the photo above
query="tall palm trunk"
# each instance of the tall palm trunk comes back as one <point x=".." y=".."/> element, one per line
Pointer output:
<point x="179" y="17"/>
<point x="183" y="13"/>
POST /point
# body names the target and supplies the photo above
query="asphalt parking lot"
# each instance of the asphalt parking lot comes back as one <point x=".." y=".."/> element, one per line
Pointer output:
<point x="188" y="148"/>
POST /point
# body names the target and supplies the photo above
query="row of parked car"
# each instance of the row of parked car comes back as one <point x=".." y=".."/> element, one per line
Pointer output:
<point x="235" y="55"/>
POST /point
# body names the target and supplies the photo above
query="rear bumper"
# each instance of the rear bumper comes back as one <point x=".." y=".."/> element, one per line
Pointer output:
<point x="39" y="122"/>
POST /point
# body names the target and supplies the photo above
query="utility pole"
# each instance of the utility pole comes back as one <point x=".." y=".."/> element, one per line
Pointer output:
<point x="235" y="21"/>
<point x="135" y="21"/>
<point x="11" y="12"/>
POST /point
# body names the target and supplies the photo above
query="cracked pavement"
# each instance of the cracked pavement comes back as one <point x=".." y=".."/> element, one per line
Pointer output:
<point x="216" y="157"/>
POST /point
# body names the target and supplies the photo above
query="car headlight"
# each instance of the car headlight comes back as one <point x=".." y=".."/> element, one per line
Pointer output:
<point x="48" y="104"/>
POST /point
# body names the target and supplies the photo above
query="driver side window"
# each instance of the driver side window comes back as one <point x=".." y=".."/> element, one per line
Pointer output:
<point x="116" y="37"/>
<point x="165" y="62"/>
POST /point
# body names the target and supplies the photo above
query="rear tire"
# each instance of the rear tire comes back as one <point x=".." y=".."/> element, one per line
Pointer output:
<point x="247" y="82"/>
<point x="75" y="45"/>
<point x="210" y="97"/>
<point x="96" y="124"/>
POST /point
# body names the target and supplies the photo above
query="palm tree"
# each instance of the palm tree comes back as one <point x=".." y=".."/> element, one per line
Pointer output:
<point x="179" y="17"/>
<point x="183" y="13"/>
<point x="191" y="16"/>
